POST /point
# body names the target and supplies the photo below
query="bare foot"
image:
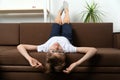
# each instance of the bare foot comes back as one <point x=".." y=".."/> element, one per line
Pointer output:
<point x="67" y="17"/>
<point x="58" y="18"/>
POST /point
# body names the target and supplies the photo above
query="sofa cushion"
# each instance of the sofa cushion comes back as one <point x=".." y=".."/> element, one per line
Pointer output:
<point x="9" y="33"/>
<point x="34" y="33"/>
<point x="108" y="57"/>
<point x="93" y="34"/>
<point x="104" y="57"/>
<point x="116" y="39"/>
<point x="20" y="68"/>
<point x="89" y="34"/>
<point x="106" y="60"/>
<point x="9" y="55"/>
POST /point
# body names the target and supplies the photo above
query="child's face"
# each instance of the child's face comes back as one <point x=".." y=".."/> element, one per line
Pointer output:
<point x="56" y="52"/>
<point x="56" y="48"/>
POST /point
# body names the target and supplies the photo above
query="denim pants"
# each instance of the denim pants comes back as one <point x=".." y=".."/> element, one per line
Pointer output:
<point x="62" y="30"/>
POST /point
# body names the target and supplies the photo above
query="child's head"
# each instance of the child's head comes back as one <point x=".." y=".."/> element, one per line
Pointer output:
<point x="55" y="62"/>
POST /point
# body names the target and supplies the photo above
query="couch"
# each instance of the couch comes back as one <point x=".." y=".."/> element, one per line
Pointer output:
<point x="105" y="65"/>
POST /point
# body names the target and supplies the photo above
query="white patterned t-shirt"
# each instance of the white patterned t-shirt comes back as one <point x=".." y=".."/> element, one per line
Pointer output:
<point x="63" y="41"/>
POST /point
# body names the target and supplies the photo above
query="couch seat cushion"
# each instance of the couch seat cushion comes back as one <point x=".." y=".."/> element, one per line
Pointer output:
<point x="104" y="57"/>
<point x="9" y="55"/>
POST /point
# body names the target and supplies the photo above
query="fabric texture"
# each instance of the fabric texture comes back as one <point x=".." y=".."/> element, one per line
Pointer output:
<point x="64" y="43"/>
<point x="61" y="34"/>
<point x="62" y="30"/>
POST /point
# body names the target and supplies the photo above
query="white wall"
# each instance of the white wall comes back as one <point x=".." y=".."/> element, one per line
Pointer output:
<point x="21" y="4"/>
<point x="111" y="10"/>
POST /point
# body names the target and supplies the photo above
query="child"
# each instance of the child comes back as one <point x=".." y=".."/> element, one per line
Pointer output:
<point x="59" y="43"/>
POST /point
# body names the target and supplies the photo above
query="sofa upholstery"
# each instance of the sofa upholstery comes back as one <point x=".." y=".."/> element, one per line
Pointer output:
<point x="104" y="65"/>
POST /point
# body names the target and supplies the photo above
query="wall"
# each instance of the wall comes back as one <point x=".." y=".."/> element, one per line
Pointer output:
<point x="21" y="17"/>
<point x="111" y="9"/>
<point x="20" y="4"/>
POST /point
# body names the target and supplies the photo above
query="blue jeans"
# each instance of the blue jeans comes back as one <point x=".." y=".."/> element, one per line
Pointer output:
<point x="62" y="30"/>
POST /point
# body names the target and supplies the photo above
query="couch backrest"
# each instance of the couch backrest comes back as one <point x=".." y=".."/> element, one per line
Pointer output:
<point x="93" y="34"/>
<point x="84" y="34"/>
<point x="34" y="33"/>
<point x="9" y="33"/>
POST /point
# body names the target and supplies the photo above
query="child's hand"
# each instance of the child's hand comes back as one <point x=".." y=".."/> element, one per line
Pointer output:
<point x="35" y="63"/>
<point x="70" y="68"/>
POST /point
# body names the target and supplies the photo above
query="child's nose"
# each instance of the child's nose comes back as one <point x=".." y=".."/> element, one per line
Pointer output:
<point x="56" y="43"/>
<point x="56" y="46"/>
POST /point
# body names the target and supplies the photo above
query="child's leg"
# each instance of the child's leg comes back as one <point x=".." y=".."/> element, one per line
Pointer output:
<point x="55" y="30"/>
<point x="67" y="31"/>
<point x="56" y="27"/>
<point x="66" y="27"/>
<point x="58" y="17"/>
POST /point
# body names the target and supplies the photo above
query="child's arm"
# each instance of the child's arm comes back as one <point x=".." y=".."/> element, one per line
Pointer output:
<point x="89" y="52"/>
<point x="22" y="48"/>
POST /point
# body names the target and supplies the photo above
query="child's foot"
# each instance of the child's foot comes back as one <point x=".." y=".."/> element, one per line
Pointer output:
<point x="63" y="7"/>
<point x="65" y="4"/>
<point x="66" y="10"/>
<point x="66" y="19"/>
<point x="61" y="10"/>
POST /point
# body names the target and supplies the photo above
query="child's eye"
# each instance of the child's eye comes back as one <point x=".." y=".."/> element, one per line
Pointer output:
<point x="60" y="51"/>
<point x="53" y="51"/>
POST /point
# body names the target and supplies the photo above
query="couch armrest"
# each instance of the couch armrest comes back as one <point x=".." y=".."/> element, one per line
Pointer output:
<point x="116" y="41"/>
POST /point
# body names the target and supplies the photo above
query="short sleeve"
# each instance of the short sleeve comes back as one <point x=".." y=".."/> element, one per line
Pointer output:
<point x="41" y="48"/>
<point x="70" y="48"/>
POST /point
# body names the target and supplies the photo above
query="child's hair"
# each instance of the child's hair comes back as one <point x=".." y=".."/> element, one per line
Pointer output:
<point x="54" y="63"/>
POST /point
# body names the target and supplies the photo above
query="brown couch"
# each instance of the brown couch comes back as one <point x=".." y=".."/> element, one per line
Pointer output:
<point x="105" y="65"/>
